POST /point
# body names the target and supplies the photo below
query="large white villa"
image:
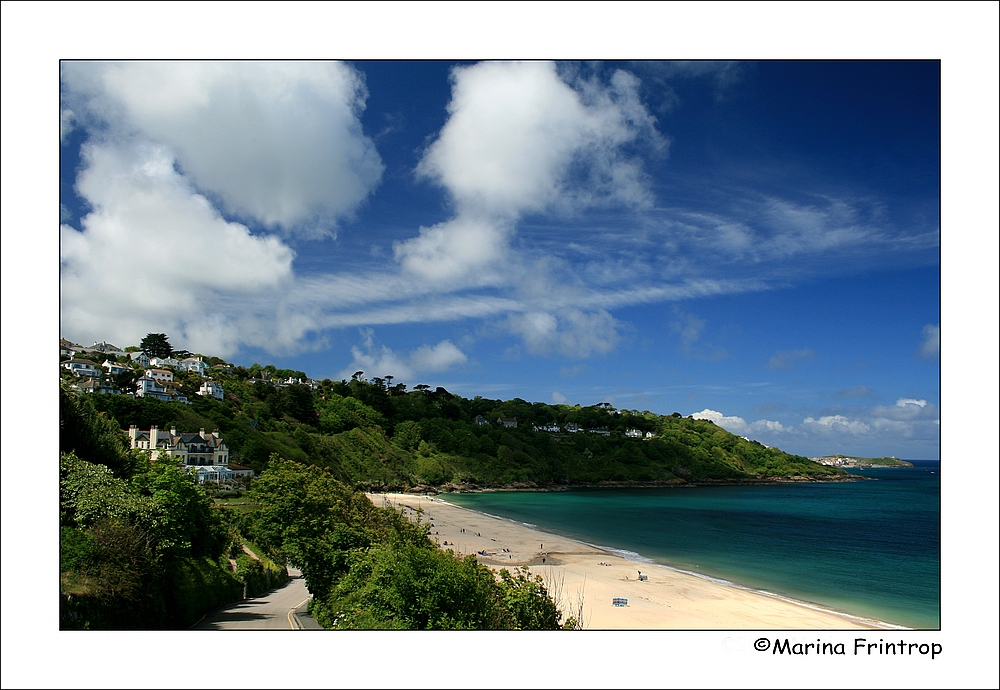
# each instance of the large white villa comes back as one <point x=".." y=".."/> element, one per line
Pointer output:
<point x="204" y="455"/>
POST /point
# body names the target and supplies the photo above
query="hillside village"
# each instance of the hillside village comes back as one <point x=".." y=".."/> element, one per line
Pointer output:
<point x="106" y="369"/>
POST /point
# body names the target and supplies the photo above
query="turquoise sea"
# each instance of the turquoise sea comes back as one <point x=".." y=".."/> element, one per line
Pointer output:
<point x="868" y="548"/>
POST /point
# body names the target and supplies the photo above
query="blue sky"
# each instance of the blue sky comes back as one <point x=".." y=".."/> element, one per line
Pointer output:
<point x="754" y="242"/>
<point x="744" y="149"/>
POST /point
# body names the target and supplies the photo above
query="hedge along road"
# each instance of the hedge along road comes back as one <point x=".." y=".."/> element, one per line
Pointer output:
<point x="280" y="609"/>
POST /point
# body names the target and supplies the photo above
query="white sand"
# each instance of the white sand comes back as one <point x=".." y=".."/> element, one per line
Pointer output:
<point x="574" y="574"/>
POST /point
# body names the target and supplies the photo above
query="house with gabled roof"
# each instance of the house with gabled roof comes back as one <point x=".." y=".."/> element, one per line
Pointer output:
<point x="212" y="388"/>
<point x="107" y="348"/>
<point x="82" y="367"/>
<point x="160" y="375"/>
<point x="507" y="422"/>
<point x="114" y="368"/>
<point x="147" y="387"/>
<point x="204" y="456"/>
<point x="191" y="449"/>
<point x="96" y="385"/>
<point x="195" y="364"/>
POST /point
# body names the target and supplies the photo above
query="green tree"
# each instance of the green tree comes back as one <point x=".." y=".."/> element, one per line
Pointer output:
<point x="185" y="523"/>
<point x="125" y="381"/>
<point x="89" y="492"/>
<point x="156" y="345"/>
<point x="525" y="601"/>
<point x="338" y="413"/>
<point x="309" y="517"/>
<point x="405" y="586"/>
<point x="92" y="435"/>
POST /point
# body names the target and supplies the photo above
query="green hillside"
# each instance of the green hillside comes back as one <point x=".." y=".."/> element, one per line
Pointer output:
<point x="374" y="435"/>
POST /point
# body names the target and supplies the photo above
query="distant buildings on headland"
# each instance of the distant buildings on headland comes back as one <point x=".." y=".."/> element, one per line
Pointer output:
<point x="846" y="461"/>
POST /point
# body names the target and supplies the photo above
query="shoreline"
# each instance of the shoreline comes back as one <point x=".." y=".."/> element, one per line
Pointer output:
<point x="667" y="484"/>
<point x="586" y="578"/>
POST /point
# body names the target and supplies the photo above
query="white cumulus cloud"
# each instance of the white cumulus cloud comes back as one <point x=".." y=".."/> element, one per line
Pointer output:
<point x="736" y="425"/>
<point x="381" y="361"/>
<point x="519" y="140"/>
<point x="279" y="142"/>
<point x="440" y="357"/>
<point x="874" y="431"/>
<point x="571" y="332"/>
<point x="837" y="424"/>
<point x="154" y="255"/>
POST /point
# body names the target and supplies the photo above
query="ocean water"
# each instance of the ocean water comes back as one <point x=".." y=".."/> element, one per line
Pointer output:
<point x="868" y="548"/>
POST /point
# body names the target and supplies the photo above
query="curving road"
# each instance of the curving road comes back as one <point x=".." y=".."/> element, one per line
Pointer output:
<point x="279" y="609"/>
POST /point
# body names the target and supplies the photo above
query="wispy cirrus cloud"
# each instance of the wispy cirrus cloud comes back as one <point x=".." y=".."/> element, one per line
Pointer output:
<point x="689" y="329"/>
<point x="786" y="359"/>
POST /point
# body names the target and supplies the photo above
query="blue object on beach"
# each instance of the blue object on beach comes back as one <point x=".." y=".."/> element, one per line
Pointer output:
<point x="620" y="601"/>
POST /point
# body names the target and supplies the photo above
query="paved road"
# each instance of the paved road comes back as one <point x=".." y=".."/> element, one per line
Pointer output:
<point x="279" y="609"/>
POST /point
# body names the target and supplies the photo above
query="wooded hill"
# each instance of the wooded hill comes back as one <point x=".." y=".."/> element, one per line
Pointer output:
<point x="374" y="435"/>
<point x="142" y="546"/>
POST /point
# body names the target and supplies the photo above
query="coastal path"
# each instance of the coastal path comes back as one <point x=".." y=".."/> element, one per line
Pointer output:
<point x="280" y="609"/>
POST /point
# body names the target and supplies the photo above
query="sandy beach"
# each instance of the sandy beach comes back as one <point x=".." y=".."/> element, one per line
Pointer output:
<point x="578" y="575"/>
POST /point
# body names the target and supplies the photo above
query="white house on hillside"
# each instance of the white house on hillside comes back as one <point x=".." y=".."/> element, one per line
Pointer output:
<point x="147" y="387"/>
<point x="160" y="375"/>
<point x="107" y="348"/>
<point x="82" y="367"/>
<point x="115" y="369"/>
<point x="189" y="448"/>
<point x="203" y="455"/>
<point x="195" y="364"/>
<point x="211" y="388"/>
